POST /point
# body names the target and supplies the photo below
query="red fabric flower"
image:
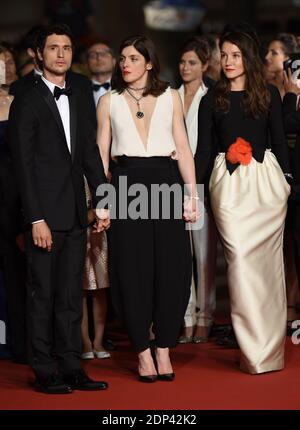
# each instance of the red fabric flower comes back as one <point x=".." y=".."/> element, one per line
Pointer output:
<point x="239" y="152"/>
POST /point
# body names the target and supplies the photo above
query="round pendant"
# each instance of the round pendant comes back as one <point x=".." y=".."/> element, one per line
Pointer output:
<point x="140" y="114"/>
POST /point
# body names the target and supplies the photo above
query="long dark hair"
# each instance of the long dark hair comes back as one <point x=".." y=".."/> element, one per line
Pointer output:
<point x="146" y="48"/>
<point x="256" y="99"/>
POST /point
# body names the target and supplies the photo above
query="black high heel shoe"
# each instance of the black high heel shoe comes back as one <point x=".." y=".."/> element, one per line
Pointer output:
<point x="168" y="377"/>
<point x="148" y="378"/>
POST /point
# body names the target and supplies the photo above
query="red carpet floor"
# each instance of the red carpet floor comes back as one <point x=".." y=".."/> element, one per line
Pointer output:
<point x="207" y="378"/>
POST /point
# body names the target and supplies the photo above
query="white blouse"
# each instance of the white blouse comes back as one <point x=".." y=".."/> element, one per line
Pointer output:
<point x="126" y="139"/>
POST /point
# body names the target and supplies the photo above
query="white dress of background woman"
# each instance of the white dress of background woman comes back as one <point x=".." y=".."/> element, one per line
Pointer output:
<point x="204" y="241"/>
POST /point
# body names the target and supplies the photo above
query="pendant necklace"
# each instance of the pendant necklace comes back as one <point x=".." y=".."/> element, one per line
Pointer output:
<point x="139" y="113"/>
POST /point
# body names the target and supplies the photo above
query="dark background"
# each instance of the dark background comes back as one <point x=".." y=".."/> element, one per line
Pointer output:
<point x="115" y="19"/>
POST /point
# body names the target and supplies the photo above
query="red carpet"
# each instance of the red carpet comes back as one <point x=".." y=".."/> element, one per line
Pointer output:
<point x="207" y="377"/>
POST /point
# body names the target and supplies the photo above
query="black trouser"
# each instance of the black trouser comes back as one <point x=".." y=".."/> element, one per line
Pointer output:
<point x="55" y="302"/>
<point x="150" y="261"/>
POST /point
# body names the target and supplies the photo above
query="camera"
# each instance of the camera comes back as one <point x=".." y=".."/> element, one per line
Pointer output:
<point x="292" y="63"/>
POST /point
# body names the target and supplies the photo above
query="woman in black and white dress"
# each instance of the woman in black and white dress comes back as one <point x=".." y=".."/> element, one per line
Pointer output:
<point x="141" y="125"/>
<point x="248" y="192"/>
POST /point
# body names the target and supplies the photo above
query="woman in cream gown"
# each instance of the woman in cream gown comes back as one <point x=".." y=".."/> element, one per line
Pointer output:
<point x="248" y="193"/>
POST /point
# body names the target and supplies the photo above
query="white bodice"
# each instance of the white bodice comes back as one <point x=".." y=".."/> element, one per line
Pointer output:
<point x="126" y="139"/>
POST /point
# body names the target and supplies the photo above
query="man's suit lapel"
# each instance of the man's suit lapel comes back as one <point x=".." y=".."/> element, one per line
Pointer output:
<point x="49" y="99"/>
<point x="73" y="122"/>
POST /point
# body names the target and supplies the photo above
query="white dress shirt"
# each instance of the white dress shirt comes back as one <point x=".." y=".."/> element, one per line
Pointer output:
<point x="37" y="72"/>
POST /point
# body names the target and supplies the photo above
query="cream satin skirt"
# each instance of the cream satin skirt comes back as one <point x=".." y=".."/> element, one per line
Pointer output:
<point x="250" y="208"/>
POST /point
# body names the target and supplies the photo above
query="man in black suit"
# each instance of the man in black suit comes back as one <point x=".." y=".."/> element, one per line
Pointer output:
<point x="53" y="144"/>
<point x="16" y="291"/>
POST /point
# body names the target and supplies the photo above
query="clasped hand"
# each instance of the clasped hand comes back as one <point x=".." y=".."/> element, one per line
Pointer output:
<point x="102" y="222"/>
<point x="191" y="212"/>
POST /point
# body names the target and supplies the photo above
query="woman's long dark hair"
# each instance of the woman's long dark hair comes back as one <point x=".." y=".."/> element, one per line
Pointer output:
<point x="146" y="48"/>
<point x="256" y="99"/>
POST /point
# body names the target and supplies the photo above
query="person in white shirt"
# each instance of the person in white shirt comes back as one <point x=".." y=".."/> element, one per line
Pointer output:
<point x="193" y="63"/>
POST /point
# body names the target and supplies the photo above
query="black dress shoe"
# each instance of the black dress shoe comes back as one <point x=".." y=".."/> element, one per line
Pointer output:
<point x="168" y="377"/>
<point x="147" y="378"/>
<point x="78" y="380"/>
<point x="54" y="384"/>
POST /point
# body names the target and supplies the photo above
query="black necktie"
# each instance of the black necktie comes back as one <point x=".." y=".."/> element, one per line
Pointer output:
<point x="106" y="86"/>
<point x="60" y="91"/>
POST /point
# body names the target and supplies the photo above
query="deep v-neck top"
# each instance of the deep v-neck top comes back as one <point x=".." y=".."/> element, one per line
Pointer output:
<point x="126" y="139"/>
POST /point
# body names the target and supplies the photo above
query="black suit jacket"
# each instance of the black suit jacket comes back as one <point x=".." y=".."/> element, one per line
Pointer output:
<point x="23" y="84"/>
<point x="50" y="178"/>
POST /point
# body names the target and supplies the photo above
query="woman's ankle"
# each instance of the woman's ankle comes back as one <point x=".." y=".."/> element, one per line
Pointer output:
<point x="188" y="331"/>
<point x="146" y="365"/>
<point x="98" y="347"/>
<point x="202" y="331"/>
<point x="87" y="346"/>
<point x="163" y="360"/>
